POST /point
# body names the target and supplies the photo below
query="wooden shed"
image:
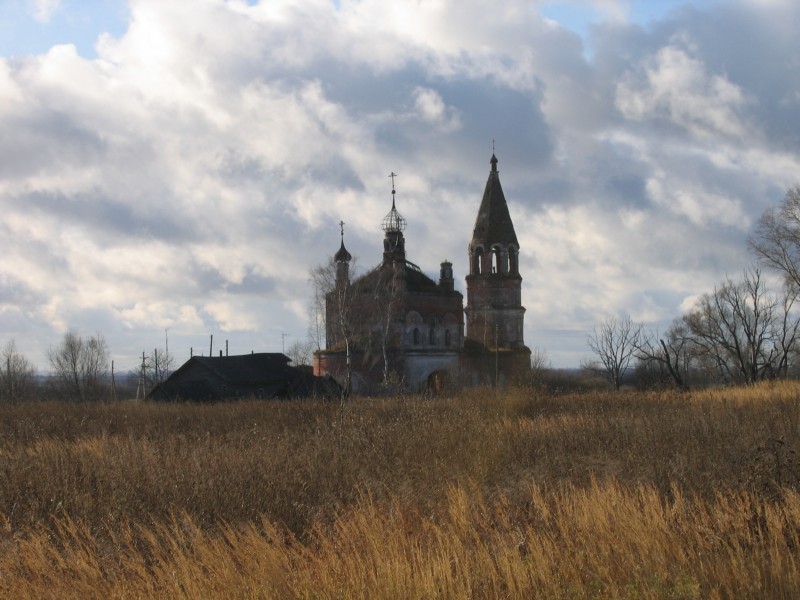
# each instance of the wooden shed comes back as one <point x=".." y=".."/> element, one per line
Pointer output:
<point x="262" y="375"/>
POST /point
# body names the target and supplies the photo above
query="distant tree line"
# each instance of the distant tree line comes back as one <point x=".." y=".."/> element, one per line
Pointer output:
<point x="741" y="332"/>
<point x="81" y="370"/>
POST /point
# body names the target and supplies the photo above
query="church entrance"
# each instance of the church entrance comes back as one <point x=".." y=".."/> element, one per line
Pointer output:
<point x="438" y="381"/>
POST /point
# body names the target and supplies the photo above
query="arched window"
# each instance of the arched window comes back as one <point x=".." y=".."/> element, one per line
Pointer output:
<point x="477" y="261"/>
<point x="416" y="336"/>
<point x="446" y="337"/>
<point x="432" y="337"/>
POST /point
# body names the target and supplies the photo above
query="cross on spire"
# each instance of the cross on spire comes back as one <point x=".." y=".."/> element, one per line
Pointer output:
<point x="342" y="256"/>
<point x="392" y="175"/>
<point x="393" y="221"/>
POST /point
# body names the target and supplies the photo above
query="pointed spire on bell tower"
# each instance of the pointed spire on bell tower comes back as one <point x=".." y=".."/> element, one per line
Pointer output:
<point x="493" y="224"/>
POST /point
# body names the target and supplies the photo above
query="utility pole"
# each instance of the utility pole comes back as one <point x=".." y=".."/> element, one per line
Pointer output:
<point x="141" y="385"/>
<point x="496" y="356"/>
<point x="113" y="384"/>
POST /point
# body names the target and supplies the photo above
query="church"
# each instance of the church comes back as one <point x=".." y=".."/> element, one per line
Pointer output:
<point x="395" y="325"/>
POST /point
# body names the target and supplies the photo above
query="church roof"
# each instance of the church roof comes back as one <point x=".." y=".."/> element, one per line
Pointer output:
<point x="415" y="280"/>
<point x="493" y="225"/>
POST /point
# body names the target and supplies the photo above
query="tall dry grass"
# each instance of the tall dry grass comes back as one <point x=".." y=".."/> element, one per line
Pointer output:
<point x="605" y="540"/>
<point x="479" y="495"/>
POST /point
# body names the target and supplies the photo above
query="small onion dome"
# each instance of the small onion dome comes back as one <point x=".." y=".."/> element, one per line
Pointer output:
<point x="342" y="255"/>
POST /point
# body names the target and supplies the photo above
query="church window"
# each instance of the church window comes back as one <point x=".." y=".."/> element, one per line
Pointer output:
<point x="446" y="337"/>
<point x="432" y="337"/>
<point x="416" y="336"/>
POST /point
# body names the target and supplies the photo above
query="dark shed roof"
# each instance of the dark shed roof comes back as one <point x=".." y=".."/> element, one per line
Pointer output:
<point x="266" y="375"/>
<point x="247" y="369"/>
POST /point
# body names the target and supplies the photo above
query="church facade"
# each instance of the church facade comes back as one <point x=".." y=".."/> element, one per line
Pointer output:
<point x="397" y="325"/>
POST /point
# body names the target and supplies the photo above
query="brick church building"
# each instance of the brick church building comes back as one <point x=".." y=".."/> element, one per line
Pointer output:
<point x="396" y="324"/>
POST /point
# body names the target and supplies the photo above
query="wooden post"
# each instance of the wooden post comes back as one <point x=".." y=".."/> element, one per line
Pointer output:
<point x="113" y="384"/>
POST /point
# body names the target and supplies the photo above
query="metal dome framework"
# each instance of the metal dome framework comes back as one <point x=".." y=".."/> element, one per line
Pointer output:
<point x="393" y="221"/>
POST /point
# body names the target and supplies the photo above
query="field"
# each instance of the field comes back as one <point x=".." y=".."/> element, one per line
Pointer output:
<point x="511" y="494"/>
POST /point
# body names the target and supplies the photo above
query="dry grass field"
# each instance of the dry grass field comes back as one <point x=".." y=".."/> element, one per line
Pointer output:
<point x="514" y="494"/>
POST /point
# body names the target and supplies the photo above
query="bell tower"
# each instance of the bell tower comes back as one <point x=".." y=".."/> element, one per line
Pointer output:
<point x="494" y="311"/>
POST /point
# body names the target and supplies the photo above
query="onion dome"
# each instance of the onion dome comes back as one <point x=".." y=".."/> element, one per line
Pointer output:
<point x="393" y="221"/>
<point x="342" y="256"/>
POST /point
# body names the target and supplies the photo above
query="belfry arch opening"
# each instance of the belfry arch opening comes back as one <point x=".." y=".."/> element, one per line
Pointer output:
<point x="477" y="261"/>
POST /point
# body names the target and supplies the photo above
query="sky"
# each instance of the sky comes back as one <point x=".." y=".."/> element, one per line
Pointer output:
<point x="177" y="168"/>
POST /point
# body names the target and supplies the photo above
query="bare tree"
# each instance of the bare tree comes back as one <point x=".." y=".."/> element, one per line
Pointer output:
<point x="776" y="241"/>
<point x="301" y="352"/>
<point x="746" y="332"/>
<point x="158" y="367"/>
<point x="540" y="369"/>
<point x="540" y="361"/>
<point x="672" y="352"/>
<point x="80" y="367"/>
<point x="16" y="375"/>
<point x="614" y="343"/>
<point x="785" y="331"/>
<point x="336" y="305"/>
<point x="387" y="296"/>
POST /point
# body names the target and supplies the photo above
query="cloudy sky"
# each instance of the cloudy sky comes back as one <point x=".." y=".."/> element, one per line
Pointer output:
<point x="182" y="165"/>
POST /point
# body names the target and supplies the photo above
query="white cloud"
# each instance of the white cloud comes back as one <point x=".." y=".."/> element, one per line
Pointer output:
<point x="432" y="109"/>
<point x="677" y="88"/>
<point x="43" y="10"/>
<point x="699" y="206"/>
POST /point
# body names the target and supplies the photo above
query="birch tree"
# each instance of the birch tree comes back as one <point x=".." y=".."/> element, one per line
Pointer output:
<point x="80" y="367"/>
